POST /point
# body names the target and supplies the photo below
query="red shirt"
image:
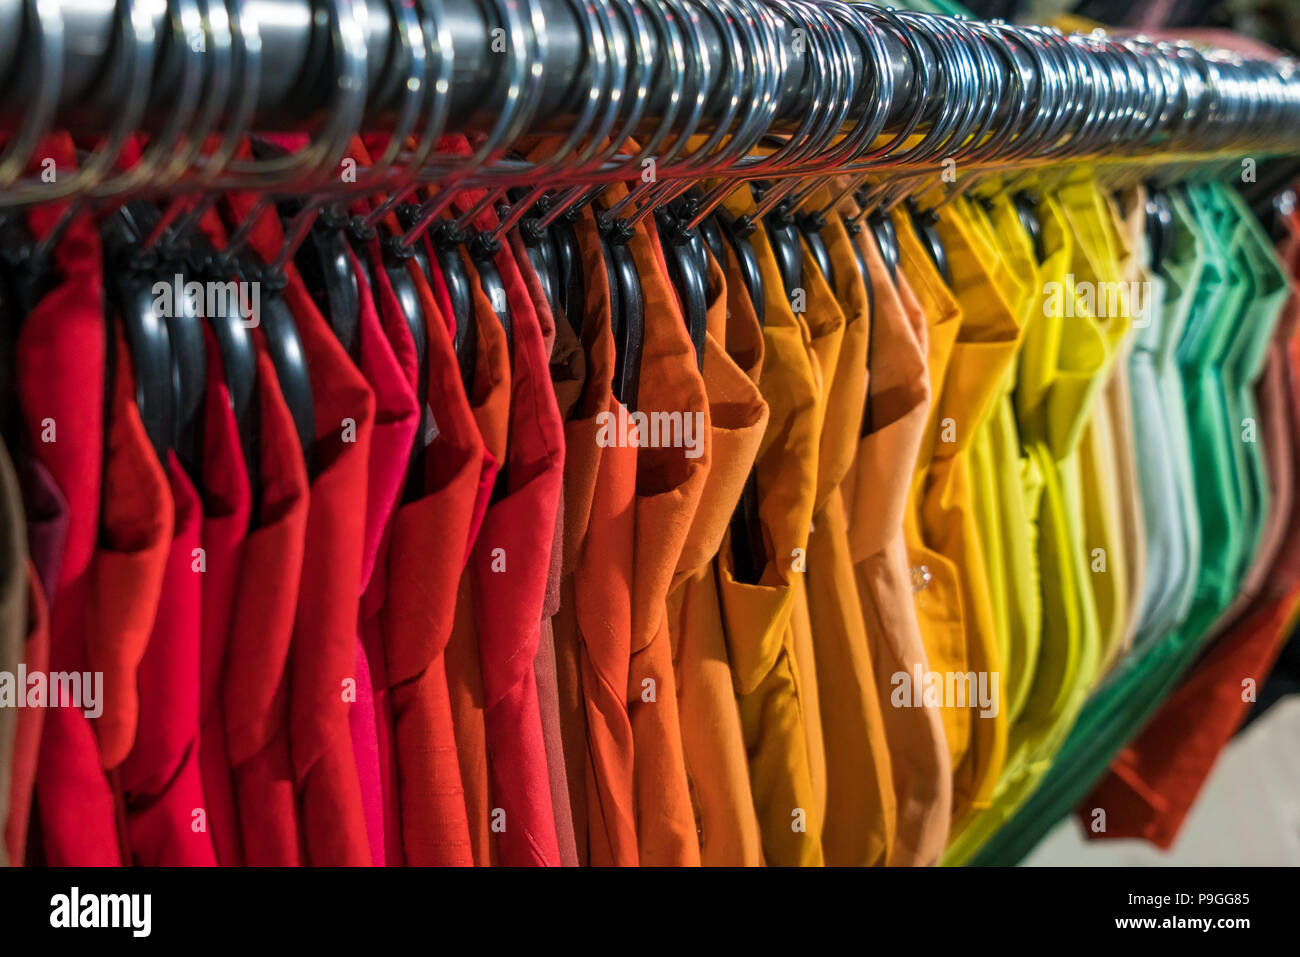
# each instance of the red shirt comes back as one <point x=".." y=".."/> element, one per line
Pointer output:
<point x="251" y="703"/>
<point x="426" y="556"/>
<point x="511" y="559"/>
<point x="567" y="387"/>
<point x="227" y="502"/>
<point x="137" y="523"/>
<point x="510" y="563"/>
<point x="396" y="418"/>
<point x="60" y="364"/>
<point x="255" y="689"/>
<point x="160" y="778"/>
<point x="324" y="652"/>
<point x="322" y="656"/>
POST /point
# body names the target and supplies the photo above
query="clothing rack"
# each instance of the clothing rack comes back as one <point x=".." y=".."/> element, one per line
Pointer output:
<point x="773" y="67"/>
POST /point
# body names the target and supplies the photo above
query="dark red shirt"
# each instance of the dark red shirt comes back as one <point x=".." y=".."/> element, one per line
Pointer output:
<point x="60" y="364"/>
<point x="47" y="525"/>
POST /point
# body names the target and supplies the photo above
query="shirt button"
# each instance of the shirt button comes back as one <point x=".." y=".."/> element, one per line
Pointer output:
<point x="920" y="577"/>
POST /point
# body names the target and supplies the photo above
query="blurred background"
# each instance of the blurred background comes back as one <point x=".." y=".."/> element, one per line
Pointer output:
<point x="1274" y="21"/>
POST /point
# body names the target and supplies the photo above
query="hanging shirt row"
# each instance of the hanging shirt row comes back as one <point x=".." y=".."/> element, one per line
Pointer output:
<point x="862" y="538"/>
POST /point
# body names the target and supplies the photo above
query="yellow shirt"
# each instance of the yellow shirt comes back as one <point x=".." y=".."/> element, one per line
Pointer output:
<point x="1060" y="365"/>
<point x="771" y="689"/>
<point x="981" y="353"/>
<point x="1096" y="260"/>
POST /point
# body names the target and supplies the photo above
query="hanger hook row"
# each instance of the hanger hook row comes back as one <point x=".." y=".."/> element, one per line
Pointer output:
<point x="718" y="89"/>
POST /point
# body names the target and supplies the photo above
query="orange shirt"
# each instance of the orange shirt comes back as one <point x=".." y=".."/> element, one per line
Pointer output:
<point x="861" y="810"/>
<point x="712" y="739"/>
<point x="824" y="324"/>
<point x="876" y="500"/>
<point x="594" y="626"/>
<point x="490" y="403"/>
<point x="669" y="484"/>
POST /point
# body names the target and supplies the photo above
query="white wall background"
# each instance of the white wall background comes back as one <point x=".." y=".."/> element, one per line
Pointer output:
<point x="1248" y="813"/>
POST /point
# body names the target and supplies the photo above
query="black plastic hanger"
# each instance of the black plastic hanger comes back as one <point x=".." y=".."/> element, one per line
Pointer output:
<point x="737" y="232"/>
<point x="628" y="306"/>
<point x="396" y="260"/>
<point x="323" y="261"/>
<point x="570" y="286"/>
<point x="854" y="230"/>
<point x="133" y="300"/>
<point x="359" y="236"/>
<point x="27" y="279"/>
<point x="419" y="250"/>
<point x="327" y="270"/>
<point x="1159" y="226"/>
<point x="284" y="346"/>
<point x="482" y="252"/>
<point x="617" y="327"/>
<point x="238" y="351"/>
<point x="189" y="384"/>
<point x="1024" y="204"/>
<point x="446" y="240"/>
<point x="882" y="230"/>
<point x="539" y="245"/>
<point x="810" y="227"/>
<point x="923" y="222"/>
<point x="393" y="257"/>
<point x="23" y="282"/>
<point x="684" y="255"/>
<point x="542" y="257"/>
<point x="712" y="234"/>
<point x="786" y="246"/>
<point x="184" y="320"/>
<point x="748" y="554"/>
<point x="407" y="214"/>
